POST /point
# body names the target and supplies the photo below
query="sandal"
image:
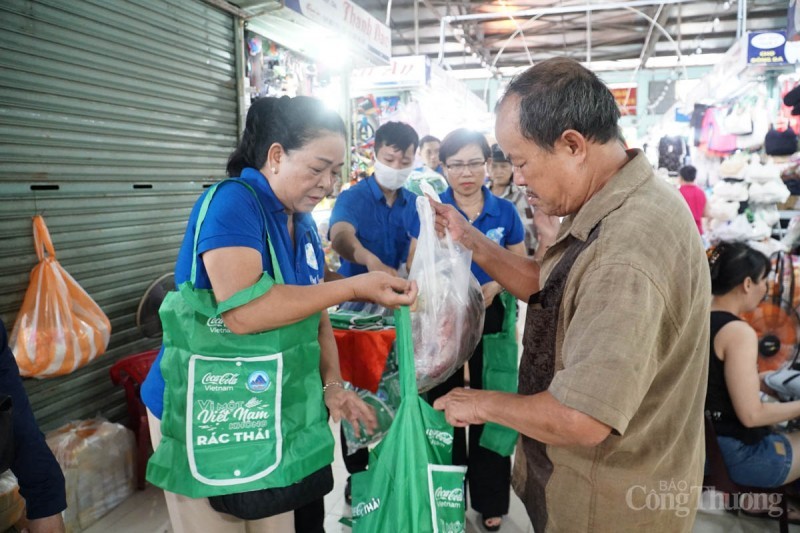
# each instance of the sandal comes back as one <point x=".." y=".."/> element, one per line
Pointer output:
<point x="494" y="527"/>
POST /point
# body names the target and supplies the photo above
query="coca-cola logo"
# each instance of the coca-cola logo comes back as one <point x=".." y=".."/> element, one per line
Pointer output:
<point x="216" y="325"/>
<point x="437" y="436"/>
<point x="229" y="378"/>
<point x="453" y="495"/>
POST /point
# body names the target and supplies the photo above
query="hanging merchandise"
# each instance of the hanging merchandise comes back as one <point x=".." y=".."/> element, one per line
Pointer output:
<point x="738" y="120"/>
<point x="448" y="320"/>
<point x="779" y="142"/>
<point x="59" y="327"/>
<point x="722" y="210"/>
<point x="672" y="152"/>
<point x="410" y="485"/>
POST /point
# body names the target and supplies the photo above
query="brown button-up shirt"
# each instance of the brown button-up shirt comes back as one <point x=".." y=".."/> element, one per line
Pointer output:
<point x="632" y="352"/>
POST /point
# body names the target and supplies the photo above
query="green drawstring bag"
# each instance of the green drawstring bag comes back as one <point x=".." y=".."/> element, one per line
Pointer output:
<point x="410" y="484"/>
<point x="500" y="373"/>
<point x="242" y="413"/>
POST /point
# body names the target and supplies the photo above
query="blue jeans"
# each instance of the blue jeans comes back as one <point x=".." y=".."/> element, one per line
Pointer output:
<point x="763" y="464"/>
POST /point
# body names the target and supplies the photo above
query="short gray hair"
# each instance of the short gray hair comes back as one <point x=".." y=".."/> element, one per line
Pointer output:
<point x="560" y="94"/>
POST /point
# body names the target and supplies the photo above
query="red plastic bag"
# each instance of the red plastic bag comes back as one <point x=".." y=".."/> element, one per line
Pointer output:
<point x="59" y="327"/>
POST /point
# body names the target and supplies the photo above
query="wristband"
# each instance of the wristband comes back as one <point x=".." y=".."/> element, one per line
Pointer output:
<point x="331" y="384"/>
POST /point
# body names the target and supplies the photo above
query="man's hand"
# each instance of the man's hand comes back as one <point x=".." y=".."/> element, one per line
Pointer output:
<point x="490" y="289"/>
<point x="381" y="288"/>
<point x="345" y="404"/>
<point x="449" y="219"/>
<point x="48" y="524"/>
<point x="462" y="406"/>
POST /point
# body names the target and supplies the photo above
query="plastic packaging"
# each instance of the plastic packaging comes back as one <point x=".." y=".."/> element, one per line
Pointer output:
<point x="447" y="322"/>
<point x="385" y="402"/>
<point x="59" y="327"/>
<point x="98" y="459"/>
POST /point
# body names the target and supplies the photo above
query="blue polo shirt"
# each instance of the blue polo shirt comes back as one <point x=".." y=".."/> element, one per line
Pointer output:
<point x="234" y="219"/>
<point x="385" y="231"/>
<point x="498" y="220"/>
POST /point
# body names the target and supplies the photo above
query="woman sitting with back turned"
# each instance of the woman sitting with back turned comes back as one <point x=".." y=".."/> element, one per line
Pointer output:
<point x="755" y="454"/>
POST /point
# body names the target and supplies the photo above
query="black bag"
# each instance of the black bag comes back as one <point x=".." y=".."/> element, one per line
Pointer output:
<point x="780" y="142"/>
<point x="258" y="504"/>
<point x="6" y="433"/>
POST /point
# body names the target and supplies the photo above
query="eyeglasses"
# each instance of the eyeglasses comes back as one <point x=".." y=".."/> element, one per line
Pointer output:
<point x="473" y="167"/>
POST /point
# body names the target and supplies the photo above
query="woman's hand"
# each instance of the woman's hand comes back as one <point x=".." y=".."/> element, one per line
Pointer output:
<point x="490" y="289"/>
<point x="345" y="404"/>
<point x="384" y="289"/>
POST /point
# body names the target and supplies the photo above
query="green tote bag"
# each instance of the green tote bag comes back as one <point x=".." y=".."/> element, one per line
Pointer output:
<point x="500" y="373"/>
<point x="410" y="484"/>
<point x="241" y="412"/>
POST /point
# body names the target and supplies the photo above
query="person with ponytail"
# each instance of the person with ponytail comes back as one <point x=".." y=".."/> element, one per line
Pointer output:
<point x="291" y="152"/>
<point x="755" y="454"/>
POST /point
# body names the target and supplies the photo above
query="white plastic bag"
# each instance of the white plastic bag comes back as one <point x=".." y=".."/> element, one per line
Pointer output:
<point x="447" y="323"/>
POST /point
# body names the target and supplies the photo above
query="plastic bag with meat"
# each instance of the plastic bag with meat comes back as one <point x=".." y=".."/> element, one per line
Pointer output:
<point x="447" y="323"/>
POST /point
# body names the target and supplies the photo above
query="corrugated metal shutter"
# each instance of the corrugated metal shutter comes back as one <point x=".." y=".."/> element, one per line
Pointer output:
<point x="113" y="115"/>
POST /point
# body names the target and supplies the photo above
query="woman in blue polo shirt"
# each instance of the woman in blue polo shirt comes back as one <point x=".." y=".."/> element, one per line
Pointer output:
<point x="464" y="155"/>
<point x="290" y="154"/>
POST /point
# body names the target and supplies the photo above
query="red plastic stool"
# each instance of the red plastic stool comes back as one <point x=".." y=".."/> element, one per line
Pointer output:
<point x="129" y="372"/>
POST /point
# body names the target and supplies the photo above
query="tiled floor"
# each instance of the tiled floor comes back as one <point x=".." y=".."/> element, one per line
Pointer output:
<point x="146" y="512"/>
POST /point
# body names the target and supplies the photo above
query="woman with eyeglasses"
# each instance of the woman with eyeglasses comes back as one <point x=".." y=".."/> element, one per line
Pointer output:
<point x="464" y="155"/>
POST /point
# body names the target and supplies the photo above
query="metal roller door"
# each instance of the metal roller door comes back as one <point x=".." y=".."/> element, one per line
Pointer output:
<point x="113" y="115"/>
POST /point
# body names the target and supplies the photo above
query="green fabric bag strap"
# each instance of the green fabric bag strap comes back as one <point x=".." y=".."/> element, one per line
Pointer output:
<point x="405" y="351"/>
<point x="500" y="373"/>
<point x="245" y="295"/>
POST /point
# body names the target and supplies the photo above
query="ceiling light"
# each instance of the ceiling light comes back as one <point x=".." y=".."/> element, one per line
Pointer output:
<point x="698" y="51"/>
<point x="716" y="23"/>
<point x="726" y="5"/>
<point x="468" y="49"/>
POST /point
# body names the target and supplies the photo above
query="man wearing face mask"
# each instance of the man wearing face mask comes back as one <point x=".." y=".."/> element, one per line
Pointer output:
<point x="370" y="226"/>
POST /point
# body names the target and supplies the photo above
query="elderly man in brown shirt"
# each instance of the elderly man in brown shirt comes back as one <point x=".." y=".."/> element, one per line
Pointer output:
<point x="615" y="351"/>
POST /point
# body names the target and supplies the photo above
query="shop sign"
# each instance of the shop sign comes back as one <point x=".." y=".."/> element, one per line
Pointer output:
<point x="367" y="32"/>
<point x="626" y="99"/>
<point x="766" y="48"/>
<point x="403" y="72"/>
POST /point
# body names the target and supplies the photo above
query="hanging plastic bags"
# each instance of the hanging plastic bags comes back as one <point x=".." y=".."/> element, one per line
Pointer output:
<point x="410" y="485"/>
<point x="448" y="320"/>
<point x="59" y="327"/>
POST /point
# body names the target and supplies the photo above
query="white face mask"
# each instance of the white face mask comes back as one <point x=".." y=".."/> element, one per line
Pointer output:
<point x="391" y="178"/>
